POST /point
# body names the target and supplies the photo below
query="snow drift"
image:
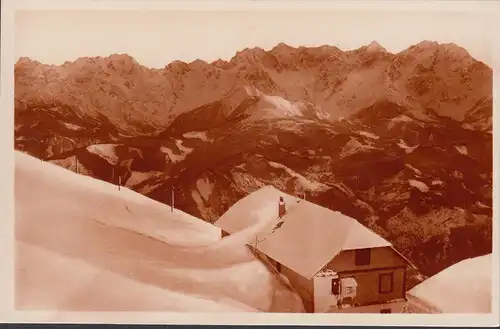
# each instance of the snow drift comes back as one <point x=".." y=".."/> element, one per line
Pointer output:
<point x="465" y="287"/>
<point x="84" y="245"/>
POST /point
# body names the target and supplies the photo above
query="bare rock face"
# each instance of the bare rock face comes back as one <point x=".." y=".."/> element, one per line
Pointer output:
<point x="440" y="77"/>
<point x="402" y="142"/>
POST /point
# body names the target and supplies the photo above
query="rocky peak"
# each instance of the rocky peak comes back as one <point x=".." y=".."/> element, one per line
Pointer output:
<point x="122" y="57"/>
<point x="24" y="61"/>
<point x="374" y="46"/>
<point x="282" y="46"/>
<point x="282" y="49"/>
<point x="124" y="60"/>
<point x="248" y="55"/>
<point x="177" y="67"/>
<point x="219" y="62"/>
<point x="426" y="44"/>
<point x="198" y="64"/>
<point x="441" y="50"/>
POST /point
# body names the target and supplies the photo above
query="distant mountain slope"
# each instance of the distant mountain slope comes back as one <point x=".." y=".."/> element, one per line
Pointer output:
<point x="402" y="142"/>
<point x="443" y="78"/>
<point x="81" y="244"/>
<point x="465" y="287"/>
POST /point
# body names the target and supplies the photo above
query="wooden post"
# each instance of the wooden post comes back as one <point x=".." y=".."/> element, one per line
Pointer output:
<point x="119" y="182"/>
<point x="76" y="161"/>
<point x="172" y="206"/>
<point x="405" y="278"/>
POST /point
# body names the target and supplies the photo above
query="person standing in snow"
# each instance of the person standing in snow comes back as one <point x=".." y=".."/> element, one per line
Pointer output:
<point x="281" y="207"/>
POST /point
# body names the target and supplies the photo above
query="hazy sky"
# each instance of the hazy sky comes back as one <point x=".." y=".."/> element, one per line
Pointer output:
<point x="155" y="38"/>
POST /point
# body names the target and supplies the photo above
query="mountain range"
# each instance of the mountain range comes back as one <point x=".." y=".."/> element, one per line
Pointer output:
<point x="402" y="142"/>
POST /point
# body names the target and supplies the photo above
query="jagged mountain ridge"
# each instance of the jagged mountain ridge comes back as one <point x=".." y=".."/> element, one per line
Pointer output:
<point x="424" y="76"/>
<point x="355" y="131"/>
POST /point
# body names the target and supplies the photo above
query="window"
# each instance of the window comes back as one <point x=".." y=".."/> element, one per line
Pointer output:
<point x="362" y="257"/>
<point x="335" y="287"/>
<point x="386" y="283"/>
<point x="385" y="310"/>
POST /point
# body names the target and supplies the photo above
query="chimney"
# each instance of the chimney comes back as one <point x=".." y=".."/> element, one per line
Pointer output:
<point x="281" y="208"/>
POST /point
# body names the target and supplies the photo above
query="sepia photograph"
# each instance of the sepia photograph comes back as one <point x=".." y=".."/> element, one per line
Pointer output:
<point x="265" y="160"/>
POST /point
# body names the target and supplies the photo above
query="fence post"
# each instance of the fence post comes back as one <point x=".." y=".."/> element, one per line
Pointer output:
<point x="172" y="203"/>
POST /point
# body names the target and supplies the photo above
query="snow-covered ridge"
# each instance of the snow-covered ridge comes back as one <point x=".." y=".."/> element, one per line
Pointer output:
<point x="110" y="249"/>
<point x="464" y="287"/>
<point x="174" y="157"/>
<point x="354" y="146"/>
<point x="462" y="149"/>
<point x="202" y="135"/>
<point x="72" y="126"/>
<point x="399" y="119"/>
<point x="272" y="106"/>
<point x="368" y="134"/>
<point x="105" y="151"/>
<point x="303" y="182"/>
<point x="408" y="149"/>
<point x="182" y="148"/>
<point x="137" y="177"/>
<point x="419" y="185"/>
<point x="415" y="170"/>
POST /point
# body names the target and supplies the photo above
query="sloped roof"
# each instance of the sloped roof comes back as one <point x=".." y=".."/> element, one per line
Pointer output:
<point x="309" y="235"/>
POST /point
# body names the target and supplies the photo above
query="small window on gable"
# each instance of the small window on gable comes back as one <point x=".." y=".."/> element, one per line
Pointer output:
<point x="362" y="257"/>
<point x="336" y="286"/>
<point x="385" y="310"/>
<point x="386" y="283"/>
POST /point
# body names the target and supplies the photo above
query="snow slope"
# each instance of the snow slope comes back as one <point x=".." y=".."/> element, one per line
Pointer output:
<point x="465" y="287"/>
<point x="82" y="244"/>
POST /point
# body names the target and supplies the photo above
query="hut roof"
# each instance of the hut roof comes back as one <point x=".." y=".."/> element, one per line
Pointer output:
<point x="306" y="238"/>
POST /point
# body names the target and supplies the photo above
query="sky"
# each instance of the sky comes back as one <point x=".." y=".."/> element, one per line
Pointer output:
<point x="156" y="38"/>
